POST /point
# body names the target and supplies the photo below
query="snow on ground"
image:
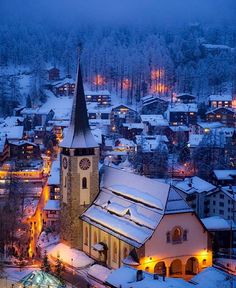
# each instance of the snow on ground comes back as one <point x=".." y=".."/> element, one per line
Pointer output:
<point x="213" y="278"/>
<point x="80" y="259"/>
<point x="228" y="264"/>
<point x="98" y="273"/>
<point x="46" y="240"/>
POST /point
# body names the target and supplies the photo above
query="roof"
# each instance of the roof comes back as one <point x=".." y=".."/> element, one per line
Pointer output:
<point x="225" y="174"/>
<point x="42" y="279"/>
<point x="54" y="178"/>
<point x="130" y="206"/>
<point x="181" y="107"/>
<point x="64" y="82"/>
<point x="154" y="120"/>
<point x="2" y="144"/>
<point x="97" y="93"/>
<point x="218" y="223"/>
<point x="194" y="185"/>
<point x="224" y="97"/>
<point x="11" y="132"/>
<point x="185" y="95"/>
<point x="52" y="205"/>
<point x="79" y="134"/>
<point x="210" y="125"/>
<point x="126" y="276"/>
<point x="195" y="139"/>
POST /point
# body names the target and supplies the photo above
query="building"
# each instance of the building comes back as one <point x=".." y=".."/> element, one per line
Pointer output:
<point x="153" y="105"/>
<point x="224" y="177"/>
<point x="224" y="115"/>
<point x="64" y="87"/>
<point x="127" y="218"/>
<point x="54" y="180"/>
<point x="219" y="101"/>
<point x="79" y="169"/>
<point x="24" y="150"/>
<point x="51" y="214"/>
<point x="185" y="98"/>
<point x="53" y="74"/>
<point x="4" y="149"/>
<point x="182" y="114"/>
<point x="102" y="97"/>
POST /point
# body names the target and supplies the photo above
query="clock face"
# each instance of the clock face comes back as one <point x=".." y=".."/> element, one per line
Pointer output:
<point x="64" y="163"/>
<point x="84" y="164"/>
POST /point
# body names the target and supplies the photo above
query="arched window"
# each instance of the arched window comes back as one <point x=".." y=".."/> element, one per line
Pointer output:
<point x="168" y="237"/>
<point x="86" y="236"/>
<point x="114" y="252"/>
<point x="95" y="238"/>
<point x="125" y="252"/>
<point x="177" y="235"/>
<point x="84" y="183"/>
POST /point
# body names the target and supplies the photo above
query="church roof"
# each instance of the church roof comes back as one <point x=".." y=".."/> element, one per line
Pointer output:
<point x="79" y="134"/>
<point x="130" y="206"/>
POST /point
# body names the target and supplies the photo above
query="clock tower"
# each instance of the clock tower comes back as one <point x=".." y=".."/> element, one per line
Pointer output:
<point x="79" y="169"/>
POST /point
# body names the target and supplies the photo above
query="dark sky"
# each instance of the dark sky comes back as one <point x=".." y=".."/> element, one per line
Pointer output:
<point x="166" y="12"/>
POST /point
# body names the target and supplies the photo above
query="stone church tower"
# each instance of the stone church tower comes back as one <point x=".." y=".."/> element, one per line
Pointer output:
<point x="79" y="169"/>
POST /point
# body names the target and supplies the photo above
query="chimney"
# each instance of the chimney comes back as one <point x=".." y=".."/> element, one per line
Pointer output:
<point x="139" y="275"/>
<point x="190" y="182"/>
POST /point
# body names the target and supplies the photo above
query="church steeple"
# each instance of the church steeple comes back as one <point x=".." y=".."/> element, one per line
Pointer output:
<point x="79" y="134"/>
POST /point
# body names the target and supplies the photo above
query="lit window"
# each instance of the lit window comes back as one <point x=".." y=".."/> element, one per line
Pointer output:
<point x="177" y="235"/>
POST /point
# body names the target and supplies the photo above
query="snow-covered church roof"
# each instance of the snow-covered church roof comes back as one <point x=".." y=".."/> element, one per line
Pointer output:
<point x="130" y="206"/>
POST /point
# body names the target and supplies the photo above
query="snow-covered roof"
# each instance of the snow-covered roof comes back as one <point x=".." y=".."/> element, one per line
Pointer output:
<point x="126" y="277"/>
<point x="150" y="142"/>
<point x="225" y="174"/>
<point x="131" y="206"/>
<point x="133" y="125"/>
<point x="125" y="142"/>
<point x="11" y="132"/>
<point x="52" y="205"/>
<point x="182" y="107"/>
<point x="2" y="144"/>
<point x="97" y="93"/>
<point x="154" y="120"/>
<point x="187" y="95"/>
<point x="149" y="99"/>
<point x="13" y="120"/>
<point x="212" y="278"/>
<point x="181" y="128"/>
<point x="22" y="142"/>
<point x="194" y="185"/>
<point x="65" y="81"/>
<point x="195" y="139"/>
<point x="95" y="108"/>
<point x="224" y="97"/>
<point x="210" y="125"/>
<point x="99" y="272"/>
<point x="218" y="223"/>
<point x="54" y="178"/>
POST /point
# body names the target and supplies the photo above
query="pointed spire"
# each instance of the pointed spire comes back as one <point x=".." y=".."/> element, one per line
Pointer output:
<point x="79" y="134"/>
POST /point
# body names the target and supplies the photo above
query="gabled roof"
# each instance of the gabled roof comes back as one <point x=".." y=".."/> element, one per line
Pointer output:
<point x="79" y="134"/>
<point x="130" y="206"/>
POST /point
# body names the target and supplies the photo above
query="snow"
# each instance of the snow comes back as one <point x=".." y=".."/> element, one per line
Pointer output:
<point x="220" y="97"/>
<point x="195" y="140"/>
<point x="210" y="125"/>
<point x="133" y="125"/>
<point x="47" y="239"/>
<point x="194" y="185"/>
<point x="181" y="107"/>
<point x="54" y="178"/>
<point x="214" y="46"/>
<point x="137" y="195"/>
<point x="126" y="277"/>
<point x="154" y="120"/>
<point x="13" y="120"/>
<point x="212" y="278"/>
<point x="80" y="259"/>
<point x="218" y="223"/>
<point x="97" y="93"/>
<point x="63" y="82"/>
<point x="150" y="142"/>
<point x="225" y="174"/>
<point x="99" y="272"/>
<point x="14" y="274"/>
<point x="2" y="143"/>
<point x="52" y="205"/>
<point x="225" y="263"/>
<point x="11" y="132"/>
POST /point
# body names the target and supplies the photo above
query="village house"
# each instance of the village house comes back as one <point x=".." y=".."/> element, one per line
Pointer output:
<point x="53" y="74"/>
<point x="65" y="87"/>
<point x="51" y="212"/>
<point x="152" y="104"/>
<point x="4" y="150"/>
<point x="102" y="97"/>
<point x="222" y="114"/>
<point x="185" y="98"/>
<point x="182" y="114"/>
<point x="219" y="101"/>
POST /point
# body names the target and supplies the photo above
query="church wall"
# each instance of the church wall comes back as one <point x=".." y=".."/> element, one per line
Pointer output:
<point x="163" y="247"/>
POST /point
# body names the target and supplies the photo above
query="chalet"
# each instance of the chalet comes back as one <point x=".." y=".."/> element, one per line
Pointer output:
<point x="64" y="87"/>
<point x="24" y="150"/>
<point x="206" y="127"/>
<point x="185" y="98"/>
<point x="194" y="191"/>
<point x="51" y="214"/>
<point x="154" y="124"/>
<point x="177" y="134"/>
<point x="99" y="114"/>
<point x="182" y="114"/>
<point x="102" y="97"/>
<point x="130" y="130"/>
<point x="11" y="132"/>
<point x="54" y="180"/>
<point x="224" y="177"/>
<point x="153" y="105"/>
<point x="224" y="115"/>
<point x="219" y="101"/>
<point x="53" y="74"/>
<point x="4" y="150"/>
<point x="121" y="114"/>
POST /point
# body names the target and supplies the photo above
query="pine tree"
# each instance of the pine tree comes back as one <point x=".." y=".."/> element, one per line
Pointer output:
<point x="58" y="267"/>
<point x="45" y="264"/>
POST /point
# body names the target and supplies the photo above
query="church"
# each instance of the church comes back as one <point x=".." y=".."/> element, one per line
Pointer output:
<point x="117" y="217"/>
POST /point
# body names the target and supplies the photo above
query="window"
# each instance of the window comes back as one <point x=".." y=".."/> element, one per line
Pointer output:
<point x="214" y="202"/>
<point x="95" y="238"/>
<point x="222" y="196"/>
<point x="84" y="183"/>
<point x="221" y="204"/>
<point x="114" y="252"/>
<point x="221" y="212"/>
<point x="177" y="235"/>
<point x="185" y="235"/>
<point x="86" y="236"/>
<point x="168" y="237"/>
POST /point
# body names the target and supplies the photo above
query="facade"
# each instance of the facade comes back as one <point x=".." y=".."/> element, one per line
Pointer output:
<point x="24" y="150"/>
<point x="219" y="101"/>
<point x="51" y="214"/>
<point x="153" y="105"/>
<point x="185" y="98"/>
<point x="53" y="74"/>
<point x="4" y="149"/>
<point x="182" y="114"/>
<point x="64" y="87"/>
<point x="79" y="169"/>
<point x="224" y="115"/>
<point x="102" y="98"/>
